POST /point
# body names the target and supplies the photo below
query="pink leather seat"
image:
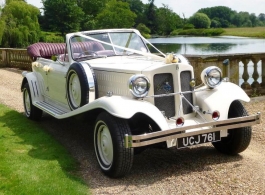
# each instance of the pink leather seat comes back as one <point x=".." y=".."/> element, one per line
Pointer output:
<point x="46" y="50"/>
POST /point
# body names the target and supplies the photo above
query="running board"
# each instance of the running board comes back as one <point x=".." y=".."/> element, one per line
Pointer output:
<point x="50" y="109"/>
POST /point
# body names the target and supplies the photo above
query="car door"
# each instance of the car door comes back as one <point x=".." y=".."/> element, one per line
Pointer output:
<point x="42" y="77"/>
<point x="57" y="82"/>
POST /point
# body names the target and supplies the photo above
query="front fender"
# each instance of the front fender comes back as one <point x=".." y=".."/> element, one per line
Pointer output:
<point x="124" y="107"/>
<point x="220" y="98"/>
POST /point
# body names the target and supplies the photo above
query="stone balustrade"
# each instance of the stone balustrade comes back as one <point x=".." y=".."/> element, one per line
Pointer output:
<point x="245" y="70"/>
<point x="15" y="58"/>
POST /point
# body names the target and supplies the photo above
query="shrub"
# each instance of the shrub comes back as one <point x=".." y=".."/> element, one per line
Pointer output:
<point x="188" y="26"/>
<point x="50" y="37"/>
<point x="174" y="33"/>
<point x="202" y="32"/>
<point x="200" y="20"/>
<point x="144" y="30"/>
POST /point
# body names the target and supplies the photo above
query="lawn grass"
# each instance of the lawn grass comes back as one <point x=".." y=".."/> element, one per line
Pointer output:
<point x="32" y="162"/>
<point x="258" y="32"/>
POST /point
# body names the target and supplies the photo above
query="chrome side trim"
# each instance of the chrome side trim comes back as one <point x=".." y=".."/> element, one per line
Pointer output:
<point x="132" y="141"/>
<point x="90" y="80"/>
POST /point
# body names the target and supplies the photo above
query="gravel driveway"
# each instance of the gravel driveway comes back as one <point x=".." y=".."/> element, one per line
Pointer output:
<point x="196" y="170"/>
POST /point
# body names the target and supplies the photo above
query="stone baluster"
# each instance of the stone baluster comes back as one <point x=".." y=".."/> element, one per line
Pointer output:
<point x="255" y="85"/>
<point x="263" y="73"/>
<point x="245" y="75"/>
<point x="3" y="62"/>
<point x="233" y="72"/>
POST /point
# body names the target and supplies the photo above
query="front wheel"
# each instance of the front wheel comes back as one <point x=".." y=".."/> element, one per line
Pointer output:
<point x="31" y="111"/>
<point x="238" y="139"/>
<point x="114" y="159"/>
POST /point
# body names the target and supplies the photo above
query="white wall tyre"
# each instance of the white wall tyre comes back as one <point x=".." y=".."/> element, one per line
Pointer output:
<point x="114" y="159"/>
<point x="238" y="139"/>
<point x="77" y="86"/>
<point x="31" y="111"/>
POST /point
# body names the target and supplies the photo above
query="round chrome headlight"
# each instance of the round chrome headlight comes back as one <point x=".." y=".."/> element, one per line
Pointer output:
<point x="211" y="76"/>
<point x="139" y="85"/>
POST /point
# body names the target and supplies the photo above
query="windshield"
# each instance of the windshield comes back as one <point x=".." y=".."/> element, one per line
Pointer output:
<point x="106" y="44"/>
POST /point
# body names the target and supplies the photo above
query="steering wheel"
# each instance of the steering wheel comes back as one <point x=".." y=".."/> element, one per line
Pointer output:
<point x="87" y="53"/>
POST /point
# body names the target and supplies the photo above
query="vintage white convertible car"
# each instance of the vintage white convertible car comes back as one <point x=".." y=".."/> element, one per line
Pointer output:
<point x="135" y="98"/>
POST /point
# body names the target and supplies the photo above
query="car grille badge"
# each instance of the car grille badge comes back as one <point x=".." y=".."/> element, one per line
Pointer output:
<point x="166" y="87"/>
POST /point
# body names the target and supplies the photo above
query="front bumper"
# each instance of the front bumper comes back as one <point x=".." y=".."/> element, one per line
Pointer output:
<point x="132" y="141"/>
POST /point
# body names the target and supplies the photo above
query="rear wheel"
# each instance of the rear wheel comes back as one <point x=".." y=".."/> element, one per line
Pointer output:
<point x="31" y="111"/>
<point x="238" y="139"/>
<point x="114" y="159"/>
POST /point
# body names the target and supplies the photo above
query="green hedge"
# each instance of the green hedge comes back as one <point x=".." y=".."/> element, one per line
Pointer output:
<point x="199" y="32"/>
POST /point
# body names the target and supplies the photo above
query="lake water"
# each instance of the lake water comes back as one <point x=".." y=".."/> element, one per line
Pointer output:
<point x="214" y="45"/>
<point x="209" y="45"/>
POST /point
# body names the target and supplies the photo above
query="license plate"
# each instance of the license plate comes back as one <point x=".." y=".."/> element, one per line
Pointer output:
<point x="198" y="139"/>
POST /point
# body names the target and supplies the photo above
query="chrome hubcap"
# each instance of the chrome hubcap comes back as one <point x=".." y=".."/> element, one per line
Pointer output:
<point x="105" y="146"/>
<point x="75" y="90"/>
<point x="27" y="102"/>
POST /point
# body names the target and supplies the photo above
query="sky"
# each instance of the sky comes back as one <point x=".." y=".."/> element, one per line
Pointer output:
<point x="189" y="7"/>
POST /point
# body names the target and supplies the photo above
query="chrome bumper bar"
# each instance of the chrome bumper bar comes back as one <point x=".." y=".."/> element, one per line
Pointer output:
<point x="132" y="141"/>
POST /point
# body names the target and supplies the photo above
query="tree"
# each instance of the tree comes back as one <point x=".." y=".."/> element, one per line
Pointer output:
<point x="145" y="31"/>
<point x="261" y="17"/>
<point x="62" y="15"/>
<point x="167" y="20"/>
<point x="254" y="19"/>
<point x="237" y="20"/>
<point x="220" y="14"/>
<point x="200" y="20"/>
<point x="2" y="29"/>
<point x="19" y="24"/>
<point x="151" y="15"/>
<point x="138" y="8"/>
<point x="215" y="23"/>
<point x="9" y="1"/>
<point x="116" y="14"/>
<point x="91" y="8"/>
<point x="245" y="19"/>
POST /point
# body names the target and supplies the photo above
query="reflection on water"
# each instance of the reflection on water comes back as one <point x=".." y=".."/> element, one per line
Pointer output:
<point x="209" y="45"/>
<point x="212" y="47"/>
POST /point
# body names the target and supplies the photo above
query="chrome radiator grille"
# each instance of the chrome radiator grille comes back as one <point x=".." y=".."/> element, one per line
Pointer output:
<point x="185" y="78"/>
<point x="163" y="83"/>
